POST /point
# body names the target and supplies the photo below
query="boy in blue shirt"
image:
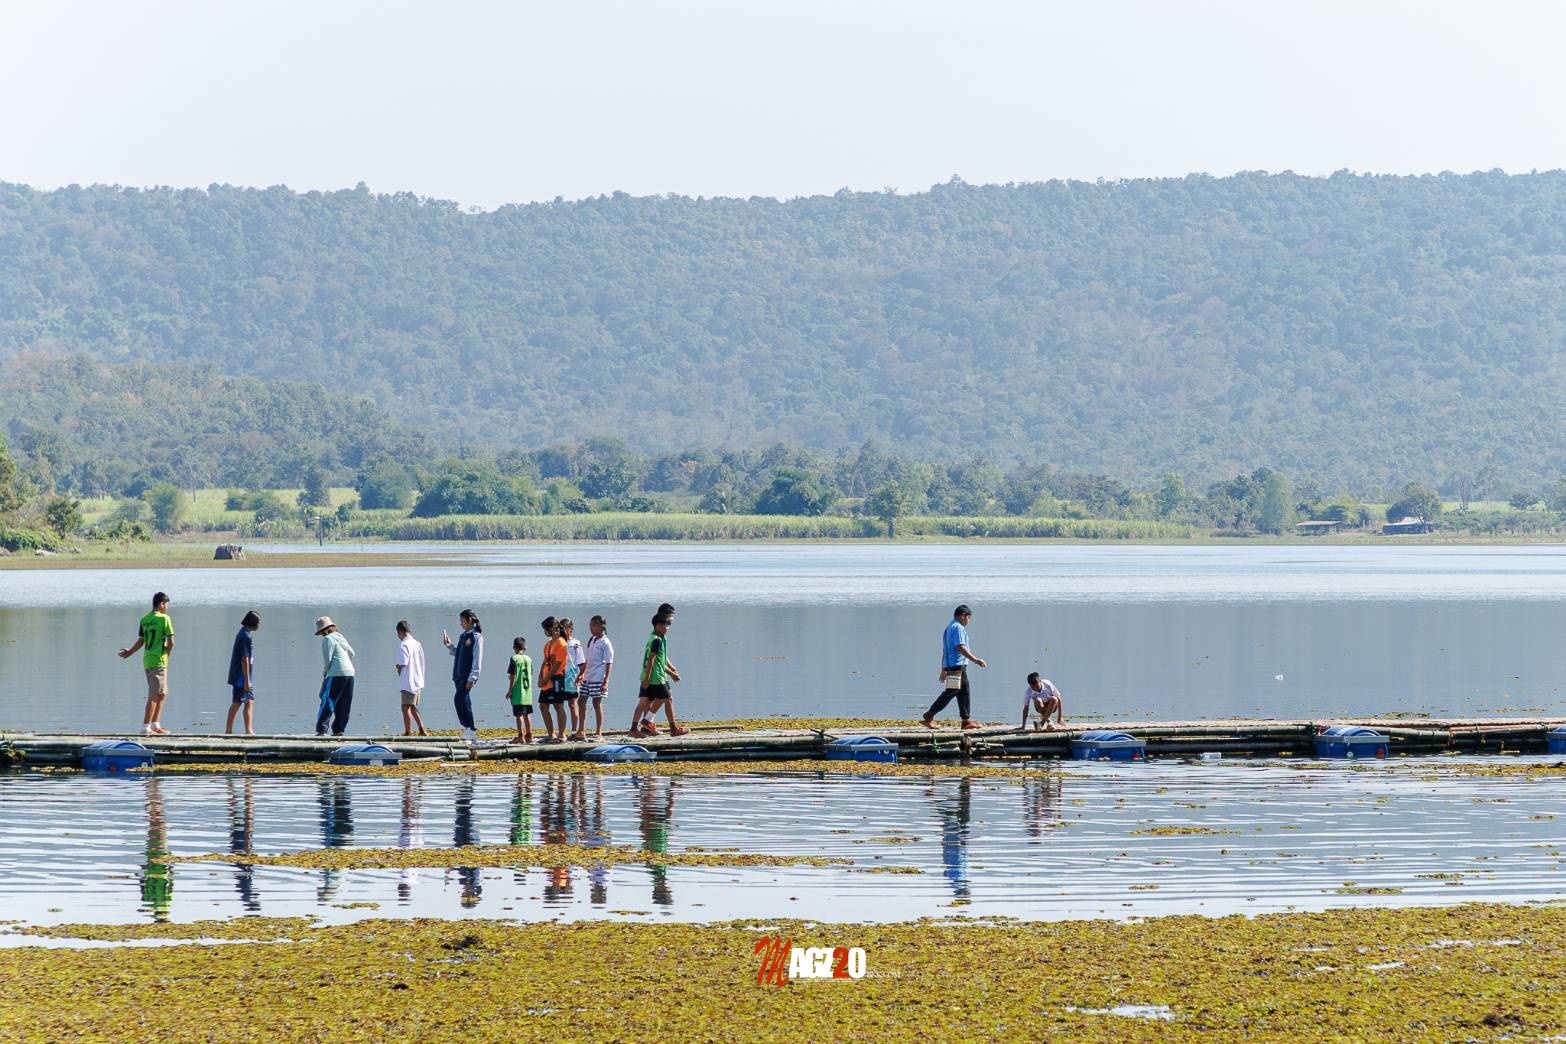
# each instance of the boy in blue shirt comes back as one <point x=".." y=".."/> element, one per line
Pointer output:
<point x="241" y="674"/>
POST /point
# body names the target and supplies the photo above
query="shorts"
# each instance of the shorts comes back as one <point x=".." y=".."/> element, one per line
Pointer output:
<point x="410" y="699"/>
<point x="157" y="681"/>
<point x="593" y="690"/>
<point x="241" y="695"/>
<point x="519" y="709"/>
<point x="552" y="698"/>
<point x="657" y="692"/>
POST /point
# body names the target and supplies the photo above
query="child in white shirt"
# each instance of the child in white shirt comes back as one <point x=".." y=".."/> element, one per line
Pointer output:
<point x="1042" y="696"/>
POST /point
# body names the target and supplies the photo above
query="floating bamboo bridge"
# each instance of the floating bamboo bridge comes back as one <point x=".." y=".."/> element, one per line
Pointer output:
<point x="1229" y="737"/>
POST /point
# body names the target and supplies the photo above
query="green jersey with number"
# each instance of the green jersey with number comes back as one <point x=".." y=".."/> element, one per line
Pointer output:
<point x="156" y="630"/>
<point x="521" y="671"/>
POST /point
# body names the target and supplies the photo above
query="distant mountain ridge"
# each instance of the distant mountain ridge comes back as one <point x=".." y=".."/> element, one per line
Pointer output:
<point x="1360" y="330"/>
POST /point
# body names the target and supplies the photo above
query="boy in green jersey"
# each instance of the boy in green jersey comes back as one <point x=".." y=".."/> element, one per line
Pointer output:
<point x="519" y="689"/>
<point x="155" y="638"/>
<point x="657" y="672"/>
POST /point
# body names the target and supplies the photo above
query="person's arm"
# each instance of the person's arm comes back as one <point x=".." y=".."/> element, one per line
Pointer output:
<point x="652" y="657"/>
<point x="478" y="660"/>
<point x="511" y="676"/>
<point x="126" y="654"/>
<point x="1025" y="705"/>
<point x="608" y="670"/>
<point x="244" y="668"/>
<point x="962" y="648"/>
<point x="326" y="654"/>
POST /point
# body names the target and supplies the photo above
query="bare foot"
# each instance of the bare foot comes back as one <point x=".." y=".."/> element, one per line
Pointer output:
<point x="1049" y="727"/>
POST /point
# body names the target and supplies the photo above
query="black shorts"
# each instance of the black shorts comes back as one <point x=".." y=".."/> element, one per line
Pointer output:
<point x="552" y="698"/>
<point x="519" y="709"/>
<point x="657" y="692"/>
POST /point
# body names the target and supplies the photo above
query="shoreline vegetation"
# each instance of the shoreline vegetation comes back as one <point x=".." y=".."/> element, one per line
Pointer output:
<point x="1469" y="972"/>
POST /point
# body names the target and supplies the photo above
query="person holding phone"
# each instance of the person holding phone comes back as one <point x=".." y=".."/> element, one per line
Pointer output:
<point x="956" y="657"/>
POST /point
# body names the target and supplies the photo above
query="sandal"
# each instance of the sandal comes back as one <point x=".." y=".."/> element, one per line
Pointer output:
<point x="681" y="731"/>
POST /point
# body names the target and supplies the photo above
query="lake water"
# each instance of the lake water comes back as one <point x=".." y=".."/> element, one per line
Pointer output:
<point x="1126" y="632"/>
<point x="1071" y="843"/>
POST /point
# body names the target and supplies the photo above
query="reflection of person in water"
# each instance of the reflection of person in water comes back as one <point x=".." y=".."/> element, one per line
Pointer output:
<point x="157" y="877"/>
<point x="336" y="828"/>
<point x="555" y="821"/>
<point x="595" y="834"/>
<point x="656" y="817"/>
<point x="410" y="832"/>
<point x="955" y="814"/>
<point x="522" y="819"/>
<point x="463" y="834"/>
<point x="241" y="838"/>
<point x="1040" y="803"/>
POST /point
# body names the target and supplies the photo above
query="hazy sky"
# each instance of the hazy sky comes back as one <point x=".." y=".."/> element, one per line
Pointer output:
<point x="494" y="102"/>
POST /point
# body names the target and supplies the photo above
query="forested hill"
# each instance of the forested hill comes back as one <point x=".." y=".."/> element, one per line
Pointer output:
<point x="1359" y="330"/>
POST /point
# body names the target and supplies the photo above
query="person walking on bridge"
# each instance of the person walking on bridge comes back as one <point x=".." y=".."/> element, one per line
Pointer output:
<point x="956" y="657"/>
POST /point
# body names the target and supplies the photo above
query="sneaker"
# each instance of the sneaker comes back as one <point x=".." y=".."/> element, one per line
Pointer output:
<point x="146" y="730"/>
<point x="649" y="729"/>
<point x="158" y="730"/>
<point x="469" y="736"/>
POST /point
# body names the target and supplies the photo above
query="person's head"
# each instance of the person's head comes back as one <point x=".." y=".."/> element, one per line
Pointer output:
<point x="403" y="630"/>
<point x="598" y="626"/>
<point x="252" y="621"/>
<point x="1035" y="682"/>
<point x="661" y="622"/>
<point x="549" y="625"/>
<point x="324" y="625"/>
<point x="519" y="644"/>
<point x="470" y="621"/>
<point x="160" y="601"/>
<point x="666" y="610"/>
<point x="565" y="626"/>
<point x="962" y="614"/>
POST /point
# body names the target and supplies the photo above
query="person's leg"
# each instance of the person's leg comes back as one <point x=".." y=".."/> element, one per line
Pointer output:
<point x="946" y="696"/>
<point x="418" y="719"/>
<point x="250" y="717"/>
<point x="233" y="709"/>
<point x="157" y="711"/>
<point x="675" y="728"/>
<point x="462" y="699"/>
<point x="407" y="718"/>
<point x="963" y="701"/>
<point x="638" y="714"/>
<point x="323" y="716"/>
<point x="527" y="726"/>
<point x="343" y="704"/>
<point x="1060" y="710"/>
<point x="598" y="717"/>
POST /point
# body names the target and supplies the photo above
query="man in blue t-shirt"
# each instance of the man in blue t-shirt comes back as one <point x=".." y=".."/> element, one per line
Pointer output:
<point x="956" y="657"/>
<point x="241" y="674"/>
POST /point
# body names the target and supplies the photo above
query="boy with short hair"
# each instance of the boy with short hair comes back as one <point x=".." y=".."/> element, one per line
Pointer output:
<point x="551" y="681"/>
<point x="410" y="678"/>
<point x="519" y="690"/>
<point x="241" y="674"/>
<point x="1042" y="696"/>
<point x="657" y="672"/>
<point x="155" y="637"/>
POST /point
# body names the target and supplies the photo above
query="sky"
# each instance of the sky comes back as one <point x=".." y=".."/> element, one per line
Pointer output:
<point x="489" y="103"/>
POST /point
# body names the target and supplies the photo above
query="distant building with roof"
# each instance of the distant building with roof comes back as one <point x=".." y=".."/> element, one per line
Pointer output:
<point x="1406" y="526"/>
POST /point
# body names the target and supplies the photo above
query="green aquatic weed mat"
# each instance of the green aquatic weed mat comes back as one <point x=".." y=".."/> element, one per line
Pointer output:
<point x="1471" y="972"/>
<point x="545" y="856"/>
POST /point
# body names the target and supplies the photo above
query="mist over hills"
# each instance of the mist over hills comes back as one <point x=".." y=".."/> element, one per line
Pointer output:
<point x="1359" y="330"/>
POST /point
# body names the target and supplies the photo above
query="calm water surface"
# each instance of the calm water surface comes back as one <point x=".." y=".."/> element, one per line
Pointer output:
<point x="1070" y="844"/>
<point x="842" y="630"/>
<point x="1126" y="632"/>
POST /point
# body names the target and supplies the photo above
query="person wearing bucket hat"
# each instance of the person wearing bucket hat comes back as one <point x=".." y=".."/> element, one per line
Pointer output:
<point x="336" y="678"/>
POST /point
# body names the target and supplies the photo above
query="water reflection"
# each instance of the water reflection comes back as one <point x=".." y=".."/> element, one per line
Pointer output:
<point x="410" y="832"/>
<point x="555" y="818"/>
<point x="655" y="813"/>
<point x="157" y="877"/>
<point x="241" y="838"/>
<point x="336" y="803"/>
<point x="464" y="832"/>
<point x="956" y="811"/>
<point x="1041" y="803"/>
